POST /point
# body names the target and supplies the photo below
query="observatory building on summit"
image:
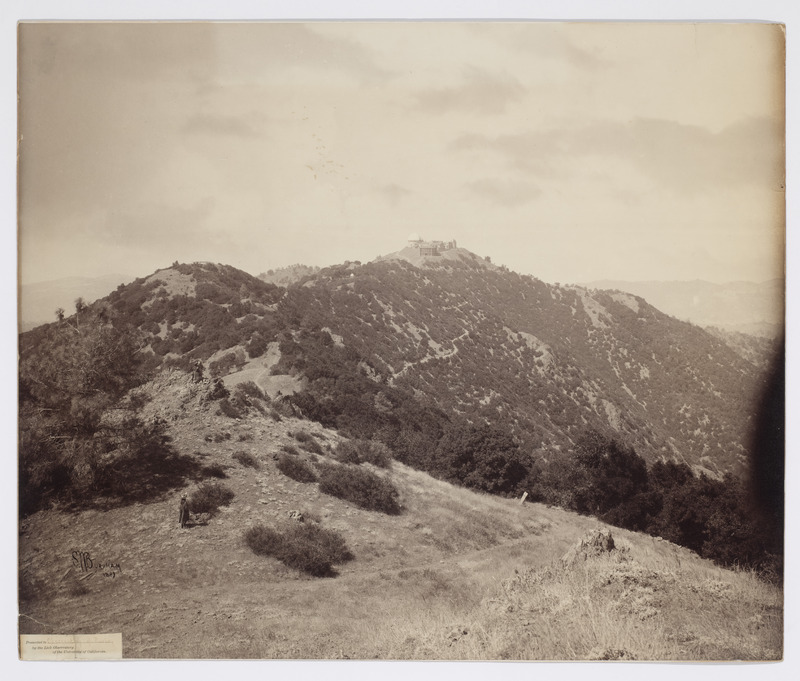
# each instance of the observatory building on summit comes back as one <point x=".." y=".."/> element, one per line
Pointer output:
<point x="429" y="247"/>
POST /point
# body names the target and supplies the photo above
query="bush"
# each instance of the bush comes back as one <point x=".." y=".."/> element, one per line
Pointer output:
<point x="312" y="446"/>
<point x="360" y="487"/>
<point x="228" y="362"/>
<point x="214" y="470"/>
<point x="249" y="389"/>
<point x="248" y="394"/>
<point x="257" y="345"/>
<point x="229" y="409"/>
<point x="296" y="468"/>
<point x="289" y="449"/>
<point x="209" y="497"/>
<point x="246" y="459"/>
<point x="363" y="451"/>
<point x="306" y="547"/>
<point x="330" y="541"/>
<point x="283" y="407"/>
<point x="307" y="442"/>
<point x="301" y="436"/>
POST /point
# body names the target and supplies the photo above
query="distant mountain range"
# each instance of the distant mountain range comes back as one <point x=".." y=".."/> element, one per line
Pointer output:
<point x="742" y="306"/>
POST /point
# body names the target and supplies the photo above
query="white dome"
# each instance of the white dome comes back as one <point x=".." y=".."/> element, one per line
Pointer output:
<point x="414" y="237"/>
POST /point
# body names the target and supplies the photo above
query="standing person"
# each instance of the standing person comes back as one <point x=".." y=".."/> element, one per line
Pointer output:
<point x="184" y="512"/>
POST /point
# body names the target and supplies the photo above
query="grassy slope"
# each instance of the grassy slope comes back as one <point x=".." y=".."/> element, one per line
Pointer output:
<point x="458" y="575"/>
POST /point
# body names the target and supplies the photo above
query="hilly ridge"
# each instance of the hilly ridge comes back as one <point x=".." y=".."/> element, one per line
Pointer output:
<point x="544" y="360"/>
<point x="739" y="306"/>
<point x="461" y="338"/>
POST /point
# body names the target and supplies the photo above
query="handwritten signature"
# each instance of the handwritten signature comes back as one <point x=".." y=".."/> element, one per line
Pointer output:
<point x="85" y="563"/>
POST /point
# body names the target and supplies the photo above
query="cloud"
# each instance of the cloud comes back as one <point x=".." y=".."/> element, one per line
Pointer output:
<point x="155" y="225"/>
<point x="687" y="159"/>
<point x="508" y="194"/>
<point x="480" y="92"/>
<point x="110" y="51"/>
<point x="545" y="41"/>
<point x="394" y="193"/>
<point x="250" y="49"/>
<point x="534" y="153"/>
<point x="218" y="125"/>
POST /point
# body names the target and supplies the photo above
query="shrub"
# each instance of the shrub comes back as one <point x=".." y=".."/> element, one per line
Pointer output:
<point x="303" y="546"/>
<point x="246" y="459"/>
<point x="245" y="437"/>
<point x="312" y="446"/>
<point x="209" y="497"/>
<point x="283" y="407"/>
<point x="248" y="394"/>
<point x="331" y="542"/>
<point x="363" y="451"/>
<point x="249" y="389"/>
<point x="214" y="470"/>
<point x="360" y="487"/>
<point x="296" y="468"/>
<point x="218" y="390"/>
<point x="289" y="449"/>
<point x="229" y="409"/>
<point x="218" y="437"/>
<point x="257" y="345"/>
<point x="228" y="362"/>
<point x="301" y="436"/>
<point x="274" y="415"/>
<point x="307" y="442"/>
<point x="263" y="540"/>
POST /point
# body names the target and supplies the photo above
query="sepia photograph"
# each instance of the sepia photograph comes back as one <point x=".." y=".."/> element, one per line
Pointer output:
<point x="401" y="340"/>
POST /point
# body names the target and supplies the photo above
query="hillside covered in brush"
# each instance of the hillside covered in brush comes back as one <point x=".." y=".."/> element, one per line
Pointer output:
<point x="393" y="350"/>
<point x="590" y="400"/>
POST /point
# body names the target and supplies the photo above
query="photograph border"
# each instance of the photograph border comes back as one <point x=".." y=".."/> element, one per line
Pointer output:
<point x="708" y="10"/>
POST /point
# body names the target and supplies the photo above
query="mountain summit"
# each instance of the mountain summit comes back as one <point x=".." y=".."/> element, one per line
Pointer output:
<point x="420" y="253"/>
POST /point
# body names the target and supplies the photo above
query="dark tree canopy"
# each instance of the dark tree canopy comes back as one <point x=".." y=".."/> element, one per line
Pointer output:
<point x="481" y="457"/>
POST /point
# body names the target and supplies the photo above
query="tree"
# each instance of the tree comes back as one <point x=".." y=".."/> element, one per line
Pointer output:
<point x="613" y="476"/>
<point x="686" y="511"/>
<point x="481" y="457"/>
<point x="68" y="383"/>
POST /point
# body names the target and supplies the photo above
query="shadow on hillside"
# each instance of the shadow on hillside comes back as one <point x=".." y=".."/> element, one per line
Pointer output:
<point x="146" y="475"/>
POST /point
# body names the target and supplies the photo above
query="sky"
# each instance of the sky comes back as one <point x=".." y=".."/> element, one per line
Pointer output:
<point x="570" y="151"/>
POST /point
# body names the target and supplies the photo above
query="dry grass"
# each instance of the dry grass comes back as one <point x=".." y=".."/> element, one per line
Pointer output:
<point x="458" y="575"/>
